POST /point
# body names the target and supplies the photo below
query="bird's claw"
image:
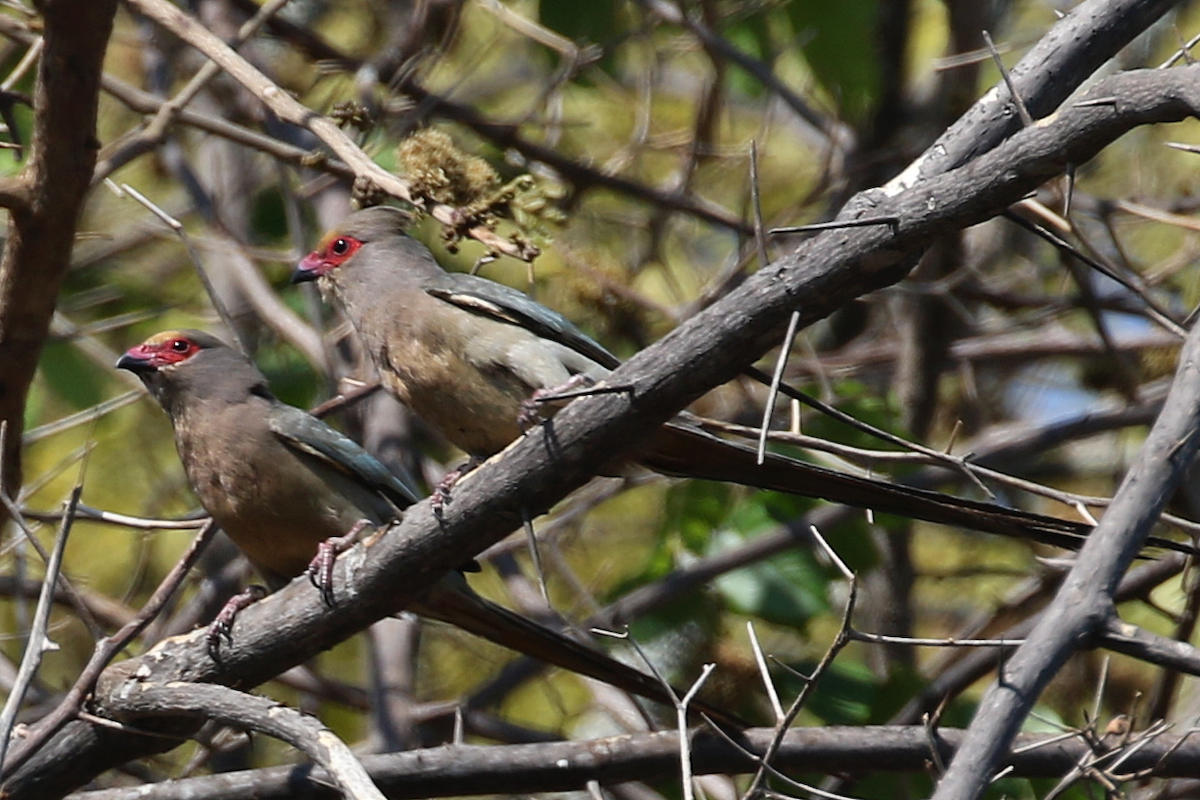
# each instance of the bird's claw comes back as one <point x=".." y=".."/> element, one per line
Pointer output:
<point x="441" y="493"/>
<point x="533" y="408"/>
<point x="531" y="411"/>
<point x="222" y="625"/>
<point x="320" y="569"/>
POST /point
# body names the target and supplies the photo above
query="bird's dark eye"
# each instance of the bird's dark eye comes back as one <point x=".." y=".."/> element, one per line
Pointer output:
<point x="180" y="345"/>
<point x="340" y="247"/>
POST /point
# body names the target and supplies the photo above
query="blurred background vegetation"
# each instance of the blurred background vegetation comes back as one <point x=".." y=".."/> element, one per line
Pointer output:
<point x="636" y="120"/>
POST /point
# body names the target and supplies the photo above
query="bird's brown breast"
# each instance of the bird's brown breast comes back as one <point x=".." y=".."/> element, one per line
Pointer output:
<point x="268" y="502"/>
<point x="476" y="411"/>
<point x="451" y="366"/>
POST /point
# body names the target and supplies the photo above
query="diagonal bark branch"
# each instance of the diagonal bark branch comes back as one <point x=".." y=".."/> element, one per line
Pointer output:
<point x="1055" y="67"/>
<point x="1083" y="606"/>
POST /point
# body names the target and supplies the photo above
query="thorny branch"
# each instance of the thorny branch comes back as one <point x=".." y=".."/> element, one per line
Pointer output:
<point x="1084" y="604"/>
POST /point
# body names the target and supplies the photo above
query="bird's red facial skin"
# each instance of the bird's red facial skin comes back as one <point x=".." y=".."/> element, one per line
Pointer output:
<point x="333" y="251"/>
<point x="164" y="352"/>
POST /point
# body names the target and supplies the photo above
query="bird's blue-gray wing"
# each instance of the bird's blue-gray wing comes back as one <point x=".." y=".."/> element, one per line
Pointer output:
<point x="310" y="435"/>
<point x="483" y="296"/>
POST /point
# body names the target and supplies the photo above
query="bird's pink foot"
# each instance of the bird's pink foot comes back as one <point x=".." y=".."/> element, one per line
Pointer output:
<point x="222" y="626"/>
<point x="441" y="492"/>
<point x="320" y="569"/>
<point x="531" y="409"/>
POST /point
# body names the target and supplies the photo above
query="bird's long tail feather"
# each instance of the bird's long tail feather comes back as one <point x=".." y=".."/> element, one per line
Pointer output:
<point x="683" y="450"/>
<point x="463" y="608"/>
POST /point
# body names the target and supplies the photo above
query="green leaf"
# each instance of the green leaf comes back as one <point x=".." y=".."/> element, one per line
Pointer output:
<point x="789" y="589"/>
<point x="839" y="45"/>
<point x="902" y="684"/>
<point x="845" y="696"/>
<point x="851" y="540"/>
<point x="752" y="36"/>
<point x="694" y="509"/>
<point x="290" y="376"/>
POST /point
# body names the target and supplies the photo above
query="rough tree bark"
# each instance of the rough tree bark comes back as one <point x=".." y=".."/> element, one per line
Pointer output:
<point x="44" y="201"/>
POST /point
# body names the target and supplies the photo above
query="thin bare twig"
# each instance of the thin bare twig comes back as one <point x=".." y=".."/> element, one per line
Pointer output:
<point x="948" y="641"/>
<point x="776" y="379"/>
<point x="106" y="649"/>
<point x="38" y="643"/>
<point x="839" y="642"/>
<point x="764" y="673"/>
<point x="113" y="518"/>
<point x="76" y="601"/>
<point x="837" y="224"/>
<point x="290" y="110"/>
<point x="1153" y="309"/>
<point x="685" y="750"/>
<point x="88" y="415"/>
<point x="878" y="433"/>
<point x="177" y="227"/>
<point x="1026" y="118"/>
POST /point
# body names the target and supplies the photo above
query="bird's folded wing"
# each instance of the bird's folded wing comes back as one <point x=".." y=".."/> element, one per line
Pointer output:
<point x="312" y="436"/>
<point x="482" y="296"/>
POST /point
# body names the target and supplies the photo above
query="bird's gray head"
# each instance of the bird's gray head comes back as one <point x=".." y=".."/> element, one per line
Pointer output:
<point x="184" y="365"/>
<point x="370" y="225"/>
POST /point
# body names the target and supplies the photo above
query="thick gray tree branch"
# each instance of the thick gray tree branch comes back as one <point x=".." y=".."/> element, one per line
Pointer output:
<point x="1087" y="37"/>
<point x="542" y="467"/>
<point x="569" y="766"/>
<point x="1083" y="607"/>
<point x="1070" y="52"/>
<point x="1122" y="637"/>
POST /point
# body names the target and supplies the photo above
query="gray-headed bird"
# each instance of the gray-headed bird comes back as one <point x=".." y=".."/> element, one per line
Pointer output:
<point x="281" y="483"/>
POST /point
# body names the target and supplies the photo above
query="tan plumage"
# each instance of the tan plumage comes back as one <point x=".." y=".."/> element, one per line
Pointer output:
<point x="466" y="353"/>
<point x="438" y="342"/>
<point x="280" y="482"/>
<point x="274" y="500"/>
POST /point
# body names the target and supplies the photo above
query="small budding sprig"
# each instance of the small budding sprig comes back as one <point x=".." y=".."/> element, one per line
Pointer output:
<point x="439" y="171"/>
